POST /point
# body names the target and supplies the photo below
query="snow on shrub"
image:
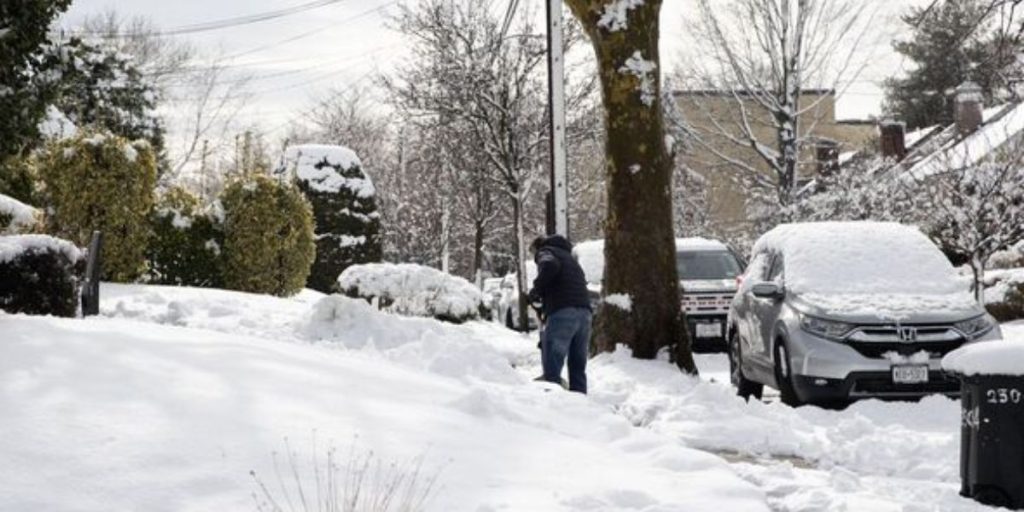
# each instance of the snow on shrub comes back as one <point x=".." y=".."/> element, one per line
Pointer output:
<point x="414" y="290"/>
<point x="16" y="216"/>
<point x="186" y="245"/>
<point x="268" y="237"/>
<point x="39" y="275"/>
<point x="344" y="207"/>
<point x="98" y="181"/>
<point x="1004" y="294"/>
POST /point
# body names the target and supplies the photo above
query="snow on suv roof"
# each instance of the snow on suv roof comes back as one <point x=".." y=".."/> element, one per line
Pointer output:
<point x="860" y="258"/>
<point x="590" y="254"/>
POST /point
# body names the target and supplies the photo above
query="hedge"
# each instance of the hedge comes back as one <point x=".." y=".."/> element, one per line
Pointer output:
<point x="268" y="237"/>
<point x="97" y="181"/>
<point x="187" y="241"/>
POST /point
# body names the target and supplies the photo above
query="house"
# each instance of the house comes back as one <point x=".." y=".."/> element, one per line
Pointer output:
<point x="976" y="134"/>
<point x="709" y="113"/>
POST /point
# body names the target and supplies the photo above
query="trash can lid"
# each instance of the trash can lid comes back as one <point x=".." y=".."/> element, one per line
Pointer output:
<point x="1000" y="357"/>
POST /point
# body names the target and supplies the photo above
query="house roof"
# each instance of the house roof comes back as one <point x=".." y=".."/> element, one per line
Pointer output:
<point x="935" y="149"/>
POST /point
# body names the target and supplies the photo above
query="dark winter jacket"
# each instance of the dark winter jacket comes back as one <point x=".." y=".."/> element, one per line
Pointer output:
<point x="560" y="280"/>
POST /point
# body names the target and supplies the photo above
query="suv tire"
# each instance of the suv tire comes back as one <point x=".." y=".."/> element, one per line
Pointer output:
<point x="784" y="375"/>
<point x="744" y="388"/>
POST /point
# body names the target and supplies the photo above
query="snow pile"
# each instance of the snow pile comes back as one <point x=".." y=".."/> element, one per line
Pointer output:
<point x="129" y="415"/>
<point x="419" y="343"/>
<point x="908" y="440"/>
<point x="12" y="247"/>
<point x="1003" y="357"/>
<point x="865" y="267"/>
<point x="15" y="215"/>
<point x="413" y="290"/>
<point x="323" y="166"/>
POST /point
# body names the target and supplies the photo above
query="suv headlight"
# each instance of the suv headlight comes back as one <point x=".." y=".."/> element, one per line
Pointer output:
<point x="975" y="327"/>
<point x="825" y="328"/>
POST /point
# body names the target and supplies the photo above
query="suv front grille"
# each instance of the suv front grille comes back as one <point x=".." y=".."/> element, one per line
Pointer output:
<point x="876" y="350"/>
<point x="706" y="303"/>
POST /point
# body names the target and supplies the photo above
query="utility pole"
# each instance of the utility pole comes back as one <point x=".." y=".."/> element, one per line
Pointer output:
<point x="556" y="100"/>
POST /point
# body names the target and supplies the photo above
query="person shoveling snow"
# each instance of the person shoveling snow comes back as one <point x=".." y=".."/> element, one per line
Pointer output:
<point x="561" y="287"/>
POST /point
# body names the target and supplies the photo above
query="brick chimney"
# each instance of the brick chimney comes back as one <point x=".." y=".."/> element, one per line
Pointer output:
<point x="827" y="156"/>
<point x="893" y="135"/>
<point x="969" y="104"/>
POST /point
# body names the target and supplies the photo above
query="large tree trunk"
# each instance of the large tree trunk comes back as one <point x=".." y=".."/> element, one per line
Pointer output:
<point x="639" y="242"/>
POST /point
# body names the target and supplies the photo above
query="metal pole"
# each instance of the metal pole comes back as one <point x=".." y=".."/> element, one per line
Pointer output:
<point x="556" y="99"/>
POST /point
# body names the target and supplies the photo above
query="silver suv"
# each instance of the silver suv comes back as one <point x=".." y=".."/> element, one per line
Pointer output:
<point x="833" y="311"/>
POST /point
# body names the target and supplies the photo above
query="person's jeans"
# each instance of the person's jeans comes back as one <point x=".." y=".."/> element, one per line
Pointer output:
<point x="567" y="335"/>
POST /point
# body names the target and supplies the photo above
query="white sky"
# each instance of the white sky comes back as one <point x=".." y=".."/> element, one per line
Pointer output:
<point x="346" y="43"/>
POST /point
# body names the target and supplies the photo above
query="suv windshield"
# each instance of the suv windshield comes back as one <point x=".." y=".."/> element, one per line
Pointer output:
<point x="706" y="265"/>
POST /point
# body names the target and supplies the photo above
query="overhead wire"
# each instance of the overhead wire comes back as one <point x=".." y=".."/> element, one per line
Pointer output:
<point x="224" y="23"/>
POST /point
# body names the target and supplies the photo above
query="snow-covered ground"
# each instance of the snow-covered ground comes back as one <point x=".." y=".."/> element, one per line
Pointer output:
<point x="168" y="400"/>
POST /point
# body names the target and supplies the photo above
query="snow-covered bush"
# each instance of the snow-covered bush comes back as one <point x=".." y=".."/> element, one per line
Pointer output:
<point x="98" y="181"/>
<point x="415" y="290"/>
<point x="186" y="245"/>
<point x="344" y="207"/>
<point x="16" y="216"/>
<point x="1004" y="294"/>
<point x="39" y="275"/>
<point x="268" y="237"/>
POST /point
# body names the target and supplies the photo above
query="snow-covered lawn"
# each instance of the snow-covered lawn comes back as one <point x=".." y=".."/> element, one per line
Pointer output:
<point x="174" y="395"/>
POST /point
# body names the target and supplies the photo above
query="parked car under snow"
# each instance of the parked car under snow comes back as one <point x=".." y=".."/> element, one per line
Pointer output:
<point x="835" y="311"/>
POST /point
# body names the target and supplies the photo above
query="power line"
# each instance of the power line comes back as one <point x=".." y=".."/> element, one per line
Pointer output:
<point x="224" y="23"/>
<point x="311" y="32"/>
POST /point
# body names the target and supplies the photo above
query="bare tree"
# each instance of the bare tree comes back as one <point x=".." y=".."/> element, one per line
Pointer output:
<point x="201" y="94"/>
<point x="469" y="78"/>
<point x="760" y="58"/>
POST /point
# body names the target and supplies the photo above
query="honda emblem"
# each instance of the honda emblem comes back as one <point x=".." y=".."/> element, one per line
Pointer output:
<point x="906" y="334"/>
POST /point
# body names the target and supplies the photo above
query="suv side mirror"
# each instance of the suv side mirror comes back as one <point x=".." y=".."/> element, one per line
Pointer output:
<point x="768" y="290"/>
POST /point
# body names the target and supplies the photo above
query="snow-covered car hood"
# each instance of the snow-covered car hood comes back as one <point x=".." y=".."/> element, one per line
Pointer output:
<point x="705" y="286"/>
<point x="888" y="308"/>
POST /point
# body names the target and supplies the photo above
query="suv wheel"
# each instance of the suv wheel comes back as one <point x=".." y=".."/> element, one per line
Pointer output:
<point x="784" y="375"/>
<point x="744" y="388"/>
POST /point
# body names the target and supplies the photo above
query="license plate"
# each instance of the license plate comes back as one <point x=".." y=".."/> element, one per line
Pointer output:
<point x="710" y="330"/>
<point x="916" y="374"/>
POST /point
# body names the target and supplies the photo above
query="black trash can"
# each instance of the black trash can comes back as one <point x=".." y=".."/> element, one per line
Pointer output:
<point x="992" y="440"/>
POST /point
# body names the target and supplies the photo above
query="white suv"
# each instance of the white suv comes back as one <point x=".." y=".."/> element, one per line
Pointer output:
<point x="708" y="272"/>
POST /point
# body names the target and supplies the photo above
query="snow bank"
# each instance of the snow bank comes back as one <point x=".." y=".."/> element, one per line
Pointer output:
<point x="11" y="247"/>
<point x="323" y="166"/>
<point x="22" y="216"/>
<point x="916" y="440"/>
<point x="848" y="267"/>
<point x="414" y="290"/>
